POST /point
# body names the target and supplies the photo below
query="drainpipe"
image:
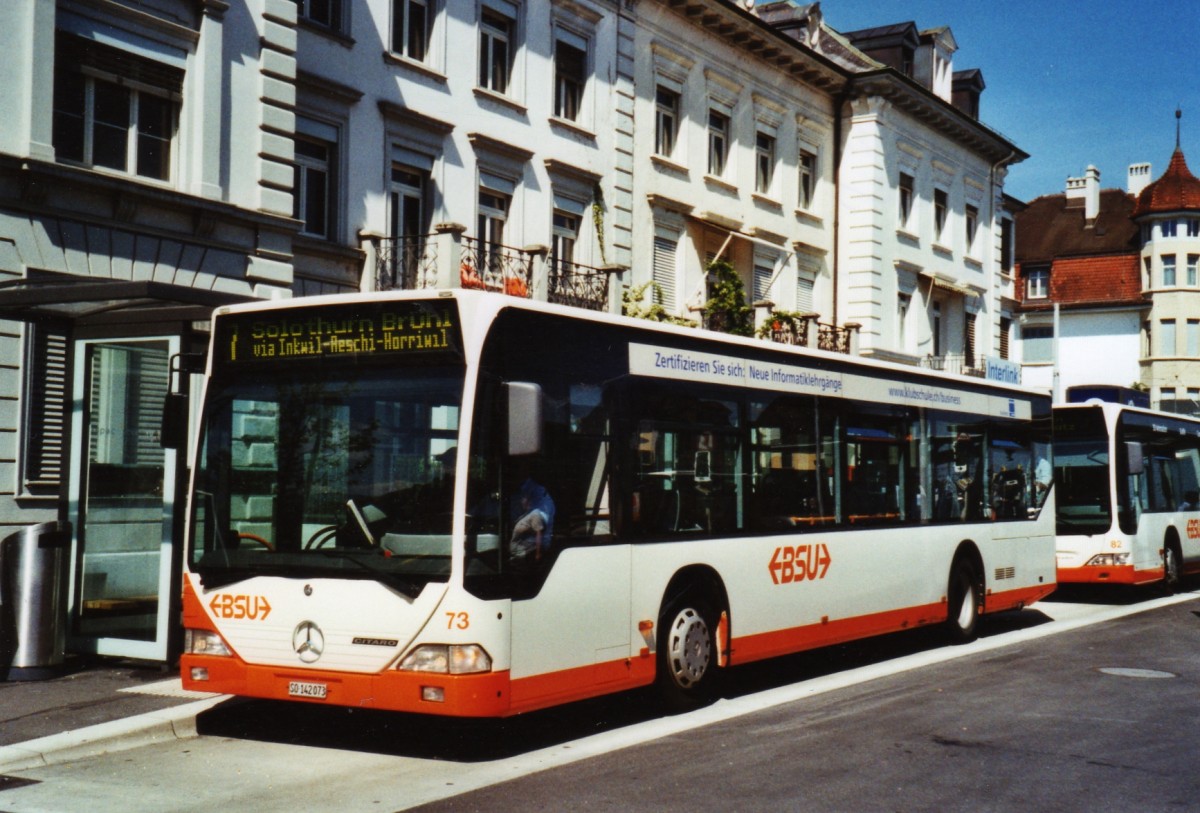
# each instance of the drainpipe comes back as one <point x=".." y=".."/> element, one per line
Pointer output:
<point x="839" y="102"/>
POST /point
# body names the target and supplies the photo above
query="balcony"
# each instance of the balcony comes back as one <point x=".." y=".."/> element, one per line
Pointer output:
<point x="957" y="363"/>
<point x="803" y="330"/>
<point x="449" y="259"/>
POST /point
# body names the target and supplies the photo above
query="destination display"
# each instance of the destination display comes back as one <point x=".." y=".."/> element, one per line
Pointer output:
<point x="338" y="332"/>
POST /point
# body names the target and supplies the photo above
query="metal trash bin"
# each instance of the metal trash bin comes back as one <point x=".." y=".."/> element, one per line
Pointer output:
<point x="33" y="601"/>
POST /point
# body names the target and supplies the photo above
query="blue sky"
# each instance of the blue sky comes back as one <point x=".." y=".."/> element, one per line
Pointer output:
<point x="1071" y="83"/>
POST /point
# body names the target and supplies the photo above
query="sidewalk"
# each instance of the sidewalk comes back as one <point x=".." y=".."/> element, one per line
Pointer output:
<point x="94" y="707"/>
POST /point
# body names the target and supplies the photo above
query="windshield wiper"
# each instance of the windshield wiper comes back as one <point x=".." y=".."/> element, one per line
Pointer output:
<point x="373" y="562"/>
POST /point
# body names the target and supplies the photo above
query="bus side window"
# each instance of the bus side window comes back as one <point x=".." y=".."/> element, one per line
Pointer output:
<point x="791" y="477"/>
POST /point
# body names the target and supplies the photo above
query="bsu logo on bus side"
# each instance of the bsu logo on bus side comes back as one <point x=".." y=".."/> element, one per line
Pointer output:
<point x="800" y="563"/>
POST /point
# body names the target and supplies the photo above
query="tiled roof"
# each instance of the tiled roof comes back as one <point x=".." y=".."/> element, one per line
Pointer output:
<point x="1077" y="282"/>
<point x="1178" y="190"/>
<point x="1054" y="226"/>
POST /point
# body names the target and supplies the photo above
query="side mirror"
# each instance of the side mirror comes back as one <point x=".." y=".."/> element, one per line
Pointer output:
<point x="174" y="429"/>
<point x="524" y="418"/>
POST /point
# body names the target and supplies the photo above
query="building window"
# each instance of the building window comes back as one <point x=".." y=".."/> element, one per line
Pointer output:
<point x="409" y="191"/>
<point x="490" y="222"/>
<point x="666" y="121"/>
<point x="1168" y="270"/>
<point x="969" y="340"/>
<point x="1037" y="283"/>
<point x="1005" y="330"/>
<point x="114" y="110"/>
<point x="326" y="13"/>
<point x="1006" y="245"/>
<point x="407" y="196"/>
<point x="1192" y="260"/>
<point x="495" y="50"/>
<point x="1193" y="227"/>
<point x="1038" y="343"/>
<point x="764" y="162"/>
<point x="1166" y="339"/>
<point x="718" y="142"/>
<point x="906" y="200"/>
<point x="935" y="328"/>
<point x="563" y="236"/>
<point x="972" y="224"/>
<point x="313" y="187"/>
<point x="570" y="75"/>
<point x="903" y="305"/>
<point x="1193" y="338"/>
<point x="808" y="178"/>
<point x="1167" y="228"/>
<point x="410" y="28"/>
<point x="940" y="209"/>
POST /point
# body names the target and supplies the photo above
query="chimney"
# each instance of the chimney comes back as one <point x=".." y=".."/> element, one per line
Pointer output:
<point x="1139" y="178"/>
<point x="1087" y="190"/>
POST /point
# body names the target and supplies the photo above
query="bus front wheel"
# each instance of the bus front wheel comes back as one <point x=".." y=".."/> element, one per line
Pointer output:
<point x="687" y="652"/>
<point x="1172" y="568"/>
<point x="963" y="601"/>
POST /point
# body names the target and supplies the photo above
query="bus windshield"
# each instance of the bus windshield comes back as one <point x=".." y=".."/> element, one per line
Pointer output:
<point x="1081" y="461"/>
<point x="347" y="473"/>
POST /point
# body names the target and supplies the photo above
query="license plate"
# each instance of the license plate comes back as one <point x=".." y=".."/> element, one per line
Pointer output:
<point x="298" y="688"/>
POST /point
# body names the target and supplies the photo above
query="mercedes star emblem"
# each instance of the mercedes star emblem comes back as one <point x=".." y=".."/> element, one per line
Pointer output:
<point x="308" y="641"/>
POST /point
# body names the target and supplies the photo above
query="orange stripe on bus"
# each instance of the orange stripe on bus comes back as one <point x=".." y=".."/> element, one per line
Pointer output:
<point x="812" y="636"/>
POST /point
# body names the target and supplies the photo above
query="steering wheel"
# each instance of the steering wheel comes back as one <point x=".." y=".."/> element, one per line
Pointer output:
<point x="256" y="538"/>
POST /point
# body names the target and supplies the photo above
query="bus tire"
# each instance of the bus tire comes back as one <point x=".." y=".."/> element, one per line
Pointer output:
<point x="1172" y="566"/>
<point x="963" y="599"/>
<point x="687" y="651"/>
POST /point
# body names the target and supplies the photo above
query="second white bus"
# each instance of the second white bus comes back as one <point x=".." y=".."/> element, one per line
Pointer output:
<point x="1128" y="483"/>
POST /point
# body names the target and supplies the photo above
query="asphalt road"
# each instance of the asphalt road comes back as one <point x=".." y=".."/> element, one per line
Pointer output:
<point x="1066" y="706"/>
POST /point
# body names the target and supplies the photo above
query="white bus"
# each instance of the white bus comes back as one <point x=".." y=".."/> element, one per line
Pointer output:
<point x="468" y="504"/>
<point x="1127" y="482"/>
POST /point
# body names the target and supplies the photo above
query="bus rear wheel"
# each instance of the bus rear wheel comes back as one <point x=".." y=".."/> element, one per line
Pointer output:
<point x="963" y="604"/>
<point x="687" y="652"/>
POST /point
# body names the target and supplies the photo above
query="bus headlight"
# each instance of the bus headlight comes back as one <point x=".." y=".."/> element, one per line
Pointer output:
<point x="1108" y="560"/>
<point x="452" y="659"/>
<point x="205" y="642"/>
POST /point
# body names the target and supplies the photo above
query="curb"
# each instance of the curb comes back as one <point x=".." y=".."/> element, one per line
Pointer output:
<point x="177" y="723"/>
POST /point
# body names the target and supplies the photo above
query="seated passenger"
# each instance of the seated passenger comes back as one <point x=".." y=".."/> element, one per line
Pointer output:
<point x="534" y="526"/>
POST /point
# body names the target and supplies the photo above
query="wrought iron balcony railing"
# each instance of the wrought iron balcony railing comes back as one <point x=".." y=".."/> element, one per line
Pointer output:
<point x="406" y="263"/>
<point x="579" y="286"/>
<point x="492" y="267"/>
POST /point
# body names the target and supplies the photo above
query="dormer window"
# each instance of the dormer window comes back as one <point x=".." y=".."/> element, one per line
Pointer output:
<point x="1037" y="282"/>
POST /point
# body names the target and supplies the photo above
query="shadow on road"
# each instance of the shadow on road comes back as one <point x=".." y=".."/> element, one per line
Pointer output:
<point x="420" y="736"/>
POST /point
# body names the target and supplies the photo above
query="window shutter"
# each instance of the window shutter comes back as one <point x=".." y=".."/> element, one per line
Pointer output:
<point x="46" y="367"/>
<point x="804" y="293"/>
<point x="664" y="271"/>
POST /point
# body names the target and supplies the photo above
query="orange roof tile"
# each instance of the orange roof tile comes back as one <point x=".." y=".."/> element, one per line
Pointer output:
<point x="1178" y="190"/>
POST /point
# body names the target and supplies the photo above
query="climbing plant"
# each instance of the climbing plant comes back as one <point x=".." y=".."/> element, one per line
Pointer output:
<point x="726" y="309"/>
<point x="636" y="303"/>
